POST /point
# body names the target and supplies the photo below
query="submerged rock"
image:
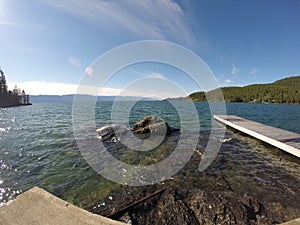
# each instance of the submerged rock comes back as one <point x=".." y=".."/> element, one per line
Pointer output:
<point x="226" y="208"/>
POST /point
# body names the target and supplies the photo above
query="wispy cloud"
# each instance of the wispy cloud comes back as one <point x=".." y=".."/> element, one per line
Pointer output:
<point x="74" y="61"/>
<point x="235" y="70"/>
<point x="151" y="19"/>
<point x="148" y="74"/>
<point x="45" y="88"/>
<point x="23" y="25"/>
<point x="56" y="88"/>
<point x="253" y="71"/>
<point x="155" y="75"/>
<point x="9" y="23"/>
<point x="228" y="82"/>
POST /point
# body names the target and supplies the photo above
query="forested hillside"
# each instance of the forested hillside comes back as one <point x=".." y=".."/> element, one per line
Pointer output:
<point x="282" y="91"/>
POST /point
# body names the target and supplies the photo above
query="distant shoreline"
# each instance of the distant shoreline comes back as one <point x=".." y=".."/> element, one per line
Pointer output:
<point x="285" y="91"/>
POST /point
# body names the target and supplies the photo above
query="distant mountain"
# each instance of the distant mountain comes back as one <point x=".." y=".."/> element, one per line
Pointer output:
<point x="51" y="98"/>
<point x="70" y="98"/>
<point x="282" y="91"/>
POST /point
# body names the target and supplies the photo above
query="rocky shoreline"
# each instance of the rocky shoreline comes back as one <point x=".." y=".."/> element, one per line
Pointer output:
<point x="183" y="203"/>
<point x="226" y="193"/>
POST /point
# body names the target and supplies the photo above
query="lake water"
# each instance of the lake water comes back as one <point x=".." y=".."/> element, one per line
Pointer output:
<point x="38" y="148"/>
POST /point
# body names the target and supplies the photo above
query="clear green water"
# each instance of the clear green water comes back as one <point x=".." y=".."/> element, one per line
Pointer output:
<point x="37" y="148"/>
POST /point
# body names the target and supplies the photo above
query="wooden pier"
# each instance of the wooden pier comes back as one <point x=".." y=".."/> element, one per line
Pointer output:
<point x="282" y="139"/>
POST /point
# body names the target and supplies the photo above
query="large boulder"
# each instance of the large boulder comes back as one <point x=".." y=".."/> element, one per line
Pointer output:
<point x="152" y="124"/>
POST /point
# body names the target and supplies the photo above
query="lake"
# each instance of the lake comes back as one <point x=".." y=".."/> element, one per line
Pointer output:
<point x="38" y="148"/>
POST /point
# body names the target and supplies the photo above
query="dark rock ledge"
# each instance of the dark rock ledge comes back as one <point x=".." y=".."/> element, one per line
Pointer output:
<point x="197" y="207"/>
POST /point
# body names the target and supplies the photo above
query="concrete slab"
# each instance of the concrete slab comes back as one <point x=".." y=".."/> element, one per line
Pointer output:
<point x="39" y="207"/>
<point x="292" y="222"/>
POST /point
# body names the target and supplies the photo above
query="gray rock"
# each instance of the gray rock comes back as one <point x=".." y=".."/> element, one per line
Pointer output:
<point x="142" y="129"/>
<point x="168" y="210"/>
<point x="111" y="133"/>
<point x="152" y="124"/>
<point x="226" y="208"/>
<point x="199" y="207"/>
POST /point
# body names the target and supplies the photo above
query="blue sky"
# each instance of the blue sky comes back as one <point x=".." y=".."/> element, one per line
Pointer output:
<point x="46" y="45"/>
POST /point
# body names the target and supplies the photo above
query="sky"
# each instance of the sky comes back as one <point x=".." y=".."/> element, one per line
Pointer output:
<point x="49" y="46"/>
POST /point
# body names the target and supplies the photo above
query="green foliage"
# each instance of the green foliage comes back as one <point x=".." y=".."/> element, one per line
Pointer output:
<point x="282" y="91"/>
<point x="198" y="96"/>
<point x="291" y="82"/>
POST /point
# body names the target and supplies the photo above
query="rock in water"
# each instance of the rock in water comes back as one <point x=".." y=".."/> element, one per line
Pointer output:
<point x="152" y="124"/>
<point x="110" y="133"/>
<point x="149" y="125"/>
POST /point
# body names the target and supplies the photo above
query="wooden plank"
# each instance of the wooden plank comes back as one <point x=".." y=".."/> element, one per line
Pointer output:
<point x="282" y="139"/>
<point x="120" y="212"/>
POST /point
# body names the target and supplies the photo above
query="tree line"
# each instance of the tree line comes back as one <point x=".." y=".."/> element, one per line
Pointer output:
<point x="282" y="91"/>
